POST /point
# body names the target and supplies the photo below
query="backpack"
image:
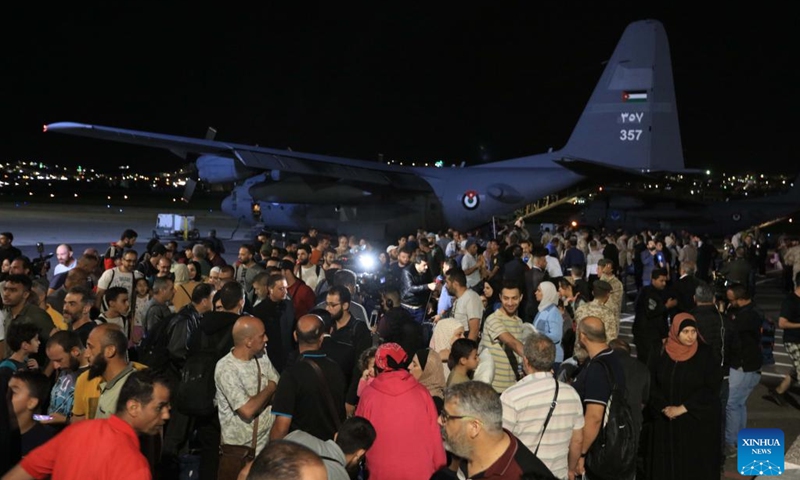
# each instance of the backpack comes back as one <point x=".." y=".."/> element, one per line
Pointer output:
<point x="196" y="390"/>
<point x="613" y="453"/>
<point x="154" y="351"/>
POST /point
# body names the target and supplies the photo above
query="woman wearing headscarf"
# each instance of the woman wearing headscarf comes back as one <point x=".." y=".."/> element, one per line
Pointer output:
<point x="428" y="369"/>
<point x="684" y="401"/>
<point x="184" y="286"/>
<point x="446" y="331"/>
<point x="408" y="443"/>
<point x="549" y="321"/>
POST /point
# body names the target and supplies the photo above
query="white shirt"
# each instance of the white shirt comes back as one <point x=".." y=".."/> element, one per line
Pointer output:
<point x="64" y="268"/>
<point x="553" y="266"/>
<point x="525" y="406"/>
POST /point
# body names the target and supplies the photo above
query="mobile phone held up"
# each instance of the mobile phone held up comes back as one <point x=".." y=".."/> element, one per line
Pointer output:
<point x="42" y="418"/>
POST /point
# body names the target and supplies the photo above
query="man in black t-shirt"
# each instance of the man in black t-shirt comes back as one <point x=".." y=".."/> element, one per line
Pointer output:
<point x="303" y="400"/>
<point x="593" y="384"/>
<point x="789" y="321"/>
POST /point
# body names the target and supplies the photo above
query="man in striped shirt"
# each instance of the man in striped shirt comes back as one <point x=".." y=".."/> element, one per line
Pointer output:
<point x="526" y="406"/>
<point x="502" y="335"/>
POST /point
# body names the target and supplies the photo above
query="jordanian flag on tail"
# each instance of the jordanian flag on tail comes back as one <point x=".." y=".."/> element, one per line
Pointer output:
<point x="634" y="97"/>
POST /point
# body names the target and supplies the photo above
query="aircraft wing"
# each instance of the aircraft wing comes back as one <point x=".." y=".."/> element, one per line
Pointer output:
<point x="258" y="158"/>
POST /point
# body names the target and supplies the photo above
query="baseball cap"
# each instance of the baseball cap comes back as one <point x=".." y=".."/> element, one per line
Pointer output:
<point x="470" y="242"/>
<point x="390" y="356"/>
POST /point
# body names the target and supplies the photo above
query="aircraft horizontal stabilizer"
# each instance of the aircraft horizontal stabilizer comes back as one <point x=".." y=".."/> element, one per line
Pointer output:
<point x="601" y="172"/>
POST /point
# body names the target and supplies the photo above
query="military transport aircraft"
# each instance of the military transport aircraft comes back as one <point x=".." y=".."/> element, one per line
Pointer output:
<point x="636" y="213"/>
<point x="629" y="126"/>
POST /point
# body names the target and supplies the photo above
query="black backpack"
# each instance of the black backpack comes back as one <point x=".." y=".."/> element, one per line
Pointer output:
<point x="196" y="390"/>
<point x="154" y="351"/>
<point x="613" y="453"/>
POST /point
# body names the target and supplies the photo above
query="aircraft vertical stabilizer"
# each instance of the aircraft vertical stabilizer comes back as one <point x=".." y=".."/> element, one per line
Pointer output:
<point x="631" y="120"/>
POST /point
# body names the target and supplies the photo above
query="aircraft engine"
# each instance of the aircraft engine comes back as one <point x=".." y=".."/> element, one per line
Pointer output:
<point x="216" y="169"/>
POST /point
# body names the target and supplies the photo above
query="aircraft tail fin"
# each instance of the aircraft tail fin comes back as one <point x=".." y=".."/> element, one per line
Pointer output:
<point x="631" y="120"/>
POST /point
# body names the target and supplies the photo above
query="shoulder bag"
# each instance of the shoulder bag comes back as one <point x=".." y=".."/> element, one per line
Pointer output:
<point x="323" y="383"/>
<point x="233" y="458"/>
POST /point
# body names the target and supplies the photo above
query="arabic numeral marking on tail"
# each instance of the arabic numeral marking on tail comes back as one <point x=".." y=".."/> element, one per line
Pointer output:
<point x="630" y="135"/>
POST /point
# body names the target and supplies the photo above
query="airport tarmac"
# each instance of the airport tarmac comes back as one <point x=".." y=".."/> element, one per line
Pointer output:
<point x="83" y="226"/>
<point x="99" y="225"/>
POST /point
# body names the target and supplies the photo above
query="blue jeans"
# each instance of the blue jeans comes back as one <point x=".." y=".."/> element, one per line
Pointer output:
<point x="741" y="384"/>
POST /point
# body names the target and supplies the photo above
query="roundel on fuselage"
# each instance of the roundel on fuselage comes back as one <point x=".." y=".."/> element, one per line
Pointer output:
<point x="470" y="200"/>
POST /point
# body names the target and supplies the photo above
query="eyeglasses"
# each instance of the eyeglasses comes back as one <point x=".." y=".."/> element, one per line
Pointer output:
<point x="446" y="417"/>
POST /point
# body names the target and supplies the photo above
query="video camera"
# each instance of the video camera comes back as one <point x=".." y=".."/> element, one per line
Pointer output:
<point x="41" y="264"/>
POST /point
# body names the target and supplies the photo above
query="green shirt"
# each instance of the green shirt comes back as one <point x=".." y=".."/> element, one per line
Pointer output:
<point x="109" y="393"/>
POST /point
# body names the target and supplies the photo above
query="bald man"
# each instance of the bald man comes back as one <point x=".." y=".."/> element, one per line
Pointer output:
<point x="593" y="383"/>
<point x="246" y="382"/>
<point x="284" y="459"/>
<point x="66" y="262"/>
<point x="301" y="402"/>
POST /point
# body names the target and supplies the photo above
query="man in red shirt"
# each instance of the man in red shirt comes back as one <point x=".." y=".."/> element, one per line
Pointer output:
<point x="143" y="408"/>
<point x="301" y="294"/>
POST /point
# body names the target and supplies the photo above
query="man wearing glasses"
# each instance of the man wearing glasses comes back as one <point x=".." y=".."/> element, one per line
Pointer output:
<point x="472" y="428"/>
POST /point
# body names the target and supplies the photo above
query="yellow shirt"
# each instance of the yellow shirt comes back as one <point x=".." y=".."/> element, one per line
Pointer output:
<point x="58" y="319"/>
<point x="87" y="394"/>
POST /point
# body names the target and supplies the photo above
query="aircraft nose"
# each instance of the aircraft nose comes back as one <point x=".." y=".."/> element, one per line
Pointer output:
<point x="228" y="206"/>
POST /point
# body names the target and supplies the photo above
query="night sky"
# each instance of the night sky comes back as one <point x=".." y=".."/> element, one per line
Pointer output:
<point x="411" y="82"/>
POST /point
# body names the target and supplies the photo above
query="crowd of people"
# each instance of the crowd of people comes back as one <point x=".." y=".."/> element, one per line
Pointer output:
<point x="454" y="356"/>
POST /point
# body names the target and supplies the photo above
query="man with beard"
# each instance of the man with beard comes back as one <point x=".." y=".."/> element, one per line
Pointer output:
<point x="502" y="336"/>
<point x="108" y="359"/>
<point x="343" y="455"/>
<point x="306" y="271"/>
<point x="416" y="285"/>
<point x="77" y="306"/>
<point x="87" y="390"/>
<point x="124" y="276"/>
<point x="277" y="313"/>
<point x="472" y="429"/>
<point x="247" y="269"/>
<point x="348" y="330"/>
<point x="107" y="448"/>
<point x="66" y="352"/>
<point x="467" y="306"/>
<point x="396" y="268"/>
<point x="65" y="260"/>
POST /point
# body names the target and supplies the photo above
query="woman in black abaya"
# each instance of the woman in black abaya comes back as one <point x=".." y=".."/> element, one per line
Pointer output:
<point x="684" y="402"/>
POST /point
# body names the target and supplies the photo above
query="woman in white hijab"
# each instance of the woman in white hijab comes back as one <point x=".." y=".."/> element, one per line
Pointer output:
<point x="549" y="321"/>
<point x="446" y="331"/>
